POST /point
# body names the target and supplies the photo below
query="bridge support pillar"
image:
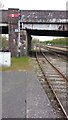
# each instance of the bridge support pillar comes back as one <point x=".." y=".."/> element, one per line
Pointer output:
<point x="27" y="42"/>
<point x="13" y="30"/>
<point x="12" y="40"/>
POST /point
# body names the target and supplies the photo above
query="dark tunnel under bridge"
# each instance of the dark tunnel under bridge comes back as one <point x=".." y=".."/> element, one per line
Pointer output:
<point x="36" y="32"/>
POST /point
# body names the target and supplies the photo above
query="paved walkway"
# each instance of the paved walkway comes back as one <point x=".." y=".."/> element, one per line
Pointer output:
<point x="23" y="96"/>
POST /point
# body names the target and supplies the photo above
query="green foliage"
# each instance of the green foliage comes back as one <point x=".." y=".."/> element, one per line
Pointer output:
<point x="60" y="41"/>
<point x="3" y="43"/>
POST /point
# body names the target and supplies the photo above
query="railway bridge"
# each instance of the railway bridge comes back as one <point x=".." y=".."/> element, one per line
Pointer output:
<point x="22" y="24"/>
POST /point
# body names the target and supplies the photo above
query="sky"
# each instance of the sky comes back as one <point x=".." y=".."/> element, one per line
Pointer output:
<point x="35" y="5"/>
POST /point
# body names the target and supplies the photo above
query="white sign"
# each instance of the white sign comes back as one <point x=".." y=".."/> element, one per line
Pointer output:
<point x="16" y="30"/>
<point x="5" y="59"/>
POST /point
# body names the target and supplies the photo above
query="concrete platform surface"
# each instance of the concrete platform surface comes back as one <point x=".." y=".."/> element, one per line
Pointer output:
<point x="23" y="96"/>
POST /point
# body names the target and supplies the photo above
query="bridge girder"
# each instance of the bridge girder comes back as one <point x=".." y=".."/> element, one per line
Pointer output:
<point x="47" y="33"/>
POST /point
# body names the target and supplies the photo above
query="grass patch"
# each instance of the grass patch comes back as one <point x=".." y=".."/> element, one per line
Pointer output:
<point x="0" y="68"/>
<point x="21" y="63"/>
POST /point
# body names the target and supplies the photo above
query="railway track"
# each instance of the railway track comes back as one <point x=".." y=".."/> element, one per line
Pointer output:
<point x="56" y="81"/>
<point x="59" y="62"/>
<point x="60" y="52"/>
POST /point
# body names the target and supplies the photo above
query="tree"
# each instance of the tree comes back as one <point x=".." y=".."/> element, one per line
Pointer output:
<point x="4" y="45"/>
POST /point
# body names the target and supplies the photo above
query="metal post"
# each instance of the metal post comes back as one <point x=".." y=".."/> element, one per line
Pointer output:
<point x="18" y="47"/>
<point x="18" y="32"/>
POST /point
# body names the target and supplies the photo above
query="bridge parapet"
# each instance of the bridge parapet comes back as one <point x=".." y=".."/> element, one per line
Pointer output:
<point x="38" y="15"/>
<point x="44" y="16"/>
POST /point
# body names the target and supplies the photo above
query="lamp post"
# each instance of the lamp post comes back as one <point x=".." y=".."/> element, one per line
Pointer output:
<point x="18" y="30"/>
<point x="18" y="47"/>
